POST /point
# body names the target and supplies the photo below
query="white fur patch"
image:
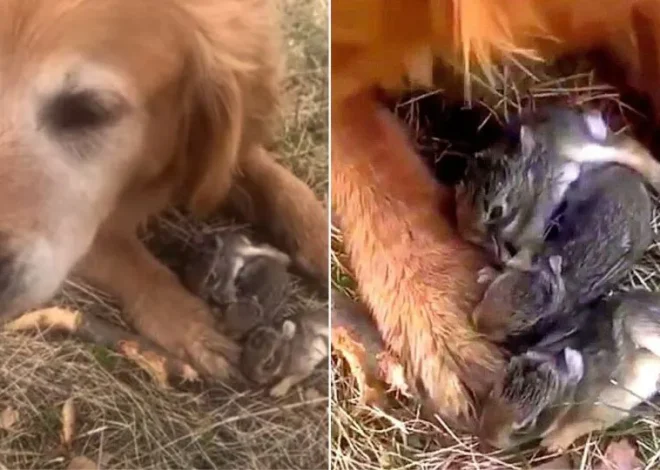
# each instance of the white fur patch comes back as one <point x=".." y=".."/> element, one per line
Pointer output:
<point x="251" y="251"/>
<point x="575" y="364"/>
<point x="646" y="373"/>
<point x="236" y="267"/>
<point x="569" y="172"/>
<point x="638" y="383"/>
<point x="289" y="329"/>
<point x="651" y="342"/>
<point x="48" y="264"/>
<point x="596" y="124"/>
<point x="591" y="153"/>
<point x="527" y="140"/>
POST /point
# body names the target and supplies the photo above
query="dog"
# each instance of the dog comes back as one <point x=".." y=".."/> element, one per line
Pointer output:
<point x="112" y="111"/>
<point x="398" y="225"/>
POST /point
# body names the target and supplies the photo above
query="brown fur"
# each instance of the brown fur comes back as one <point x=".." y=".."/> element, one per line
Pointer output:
<point x="415" y="272"/>
<point x="197" y="82"/>
<point x="370" y="44"/>
<point x="406" y="262"/>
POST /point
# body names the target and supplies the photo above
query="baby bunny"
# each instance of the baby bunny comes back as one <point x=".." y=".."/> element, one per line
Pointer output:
<point x="586" y="381"/>
<point x="244" y="282"/>
<point x="524" y="404"/>
<point x="602" y="230"/>
<point x="287" y="354"/>
<point x="511" y="190"/>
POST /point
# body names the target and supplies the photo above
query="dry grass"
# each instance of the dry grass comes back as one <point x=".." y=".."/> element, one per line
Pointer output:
<point x="123" y="419"/>
<point x="366" y="438"/>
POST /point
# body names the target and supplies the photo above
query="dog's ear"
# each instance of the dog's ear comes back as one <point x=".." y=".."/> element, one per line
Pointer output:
<point x="231" y="97"/>
<point x="213" y="131"/>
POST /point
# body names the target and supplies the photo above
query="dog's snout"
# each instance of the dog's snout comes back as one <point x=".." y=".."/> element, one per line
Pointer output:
<point x="19" y="276"/>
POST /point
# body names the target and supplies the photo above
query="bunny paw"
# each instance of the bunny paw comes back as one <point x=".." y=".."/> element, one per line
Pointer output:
<point x="486" y="275"/>
<point x="557" y="443"/>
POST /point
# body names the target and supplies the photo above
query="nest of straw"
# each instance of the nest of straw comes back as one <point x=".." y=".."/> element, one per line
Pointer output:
<point x="445" y="132"/>
<point x="122" y="418"/>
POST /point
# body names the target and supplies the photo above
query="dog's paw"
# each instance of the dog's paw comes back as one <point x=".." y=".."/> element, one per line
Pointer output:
<point x="213" y="353"/>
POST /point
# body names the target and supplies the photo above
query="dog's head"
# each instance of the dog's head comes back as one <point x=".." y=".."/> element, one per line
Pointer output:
<point x="108" y="110"/>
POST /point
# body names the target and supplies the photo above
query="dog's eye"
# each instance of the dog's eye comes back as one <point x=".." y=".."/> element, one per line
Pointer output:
<point x="73" y="111"/>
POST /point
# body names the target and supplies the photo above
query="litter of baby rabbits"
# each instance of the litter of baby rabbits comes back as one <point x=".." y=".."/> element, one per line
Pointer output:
<point x="446" y="132"/>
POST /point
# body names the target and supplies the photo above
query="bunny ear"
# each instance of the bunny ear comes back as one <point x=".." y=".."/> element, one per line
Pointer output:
<point x="288" y="329"/>
<point x="574" y="364"/>
<point x="527" y="140"/>
<point x="596" y="124"/>
<point x="555" y="264"/>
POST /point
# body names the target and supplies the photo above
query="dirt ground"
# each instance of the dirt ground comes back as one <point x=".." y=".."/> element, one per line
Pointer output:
<point x="122" y="419"/>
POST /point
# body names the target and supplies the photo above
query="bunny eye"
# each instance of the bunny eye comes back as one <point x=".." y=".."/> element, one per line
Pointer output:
<point x="496" y="213"/>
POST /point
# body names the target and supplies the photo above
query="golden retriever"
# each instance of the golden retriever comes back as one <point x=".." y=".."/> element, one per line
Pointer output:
<point x="111" y="110"/>
<point x="411" y="268"/>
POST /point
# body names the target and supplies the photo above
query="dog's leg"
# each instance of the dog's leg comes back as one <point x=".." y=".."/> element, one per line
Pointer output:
<point x="413" y="270"/>
<point x="154" y="360"/>
<point x="157" y="305"/>
<point x="268" y="194"/>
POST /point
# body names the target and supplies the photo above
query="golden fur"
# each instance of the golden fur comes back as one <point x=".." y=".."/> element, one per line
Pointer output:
<point x="188" y="89"/>
<point x="372" y="43"/>
<point x="410" y="267"/>
<point x="413" y="269"/>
